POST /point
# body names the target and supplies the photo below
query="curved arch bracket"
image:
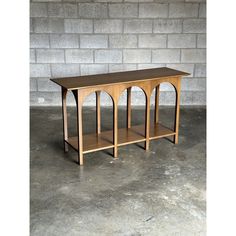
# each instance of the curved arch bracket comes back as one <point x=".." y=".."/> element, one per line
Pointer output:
<point x="87" y="91"/>
<point x="65" y="121"/>
<point x="75" y="92"/>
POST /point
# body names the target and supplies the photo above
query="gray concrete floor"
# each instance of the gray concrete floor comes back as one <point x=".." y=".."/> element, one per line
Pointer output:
<point x="158" y="192"/>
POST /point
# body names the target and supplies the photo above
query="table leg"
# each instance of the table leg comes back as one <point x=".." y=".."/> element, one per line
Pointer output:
<point x="128" y="107"/>
<point x="147" y="122"/>
<point x="98" y="112"/>
<point x="156" y="113"/>
<point x="115" y="129"/>
<point x="79" y="128"/>
<point x="177" y="111"/>
<point x="64" y="116"/>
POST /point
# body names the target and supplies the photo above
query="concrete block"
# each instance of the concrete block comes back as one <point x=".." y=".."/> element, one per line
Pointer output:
<point x="121" y="67"/>
<point x="165" y="86"/>
<point x="138" y="0"/>
<point x="181" y="41"/>
<point x="123" y="10"/>
<point x="78" y="26"/>
<point x="39" y="41"/>
<point x="46" y="0"/>
<point x="183" y="10"/>
<point x="193" y="98"/>
<point x="199" y="98"/>
<point x="70" y="10"/>
<point x="168" y="1"/>
<point x="108" y="56"/>
<point x="93" y="41"/>
<point x="40" y="70"/>
<point x="106" y="100"/>
<point x="200" y="70"/>
<point x="137" y="97"/>
<point x="152" y="41"/>
<point x="64" y="41"/>
<point x="66" y="10"/>
<point x="138" y="26"/>
<point x="39" y="99"/>
<point x="38" y="10"/>
<point x="55" y="10"/>
<point x="153" y="10"/>
<point x="123" y="41"/>
<point x="48" y="25"/>
<point x="46" y="85"/>
<point x="108" y="1"/>
<point x="202" y="10"/>
<point x="31" y="25"/>
<point x="108" y="26"/>
<point x="61" y="70"/>
<point x="33" y="85"/>
<point x="137" y="56"/>
<point x="150" y="65"/>
<point x="195" y="0"/>
<point x="189" y="68"/>
<point x="156" y="1"/>
<point x="91" y="69"/>
<point x="50" y="55"/>
<point x="194" y="26"/>
<point x="35" y="98"/>
<point x="166" y="56"/>
<point x="79" y="56"/>
<point x="201" y="41"/>
<point x="193" y="55"/>
<point x="123" y="99"/>
<point x="166" y="98"/>
<point x="32" y="56"/>
<point x="167" y="26"/>
<point x="193" y="84"/>
<point x="93" y="10"/>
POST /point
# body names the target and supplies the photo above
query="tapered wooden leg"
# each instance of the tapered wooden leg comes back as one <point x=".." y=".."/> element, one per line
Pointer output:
<point x="98" y="112"/>
<point x="128" y="107"/>
<point x="79" y="129"/>
<point x="147" y="122"/>
<point x="65" y="121"/>
<point x="115" y="129"/>
<point x="177" y="111"/>
<point x="156" y="113"/>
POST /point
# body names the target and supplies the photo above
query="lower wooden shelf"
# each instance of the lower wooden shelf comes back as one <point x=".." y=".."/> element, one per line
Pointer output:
<point x="104" y="140"/>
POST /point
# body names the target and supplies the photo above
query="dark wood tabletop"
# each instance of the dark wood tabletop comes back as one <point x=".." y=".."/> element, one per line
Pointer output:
<point x="76" y="82"/>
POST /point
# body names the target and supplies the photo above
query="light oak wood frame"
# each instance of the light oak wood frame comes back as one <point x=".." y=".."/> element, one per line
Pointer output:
<point x="130" y="135"/>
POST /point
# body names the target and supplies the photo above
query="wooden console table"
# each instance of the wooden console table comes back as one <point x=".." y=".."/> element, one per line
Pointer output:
<point x="114" y="84"/>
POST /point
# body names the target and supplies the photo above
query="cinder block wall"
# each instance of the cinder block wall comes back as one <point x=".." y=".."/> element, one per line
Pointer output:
<point x="80" y="37"/>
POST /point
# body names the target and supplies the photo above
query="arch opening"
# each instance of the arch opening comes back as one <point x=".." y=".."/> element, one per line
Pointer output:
<point x="103" y="102"/>
<point x="131" y="107"/>
<point x="163" y="100"/>
<point x="131" y="115"/>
